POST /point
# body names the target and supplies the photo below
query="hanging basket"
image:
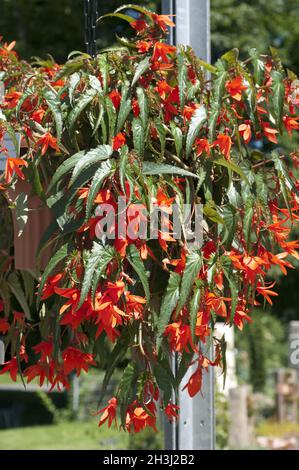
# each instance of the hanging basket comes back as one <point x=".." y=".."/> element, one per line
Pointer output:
<point x="27" y="243"/>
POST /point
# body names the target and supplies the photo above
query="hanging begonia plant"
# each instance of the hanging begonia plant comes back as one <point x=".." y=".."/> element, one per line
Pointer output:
<point x="153" y="126"/>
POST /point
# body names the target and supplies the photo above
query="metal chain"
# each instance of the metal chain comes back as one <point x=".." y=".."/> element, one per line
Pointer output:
<point x="90" y="22"/>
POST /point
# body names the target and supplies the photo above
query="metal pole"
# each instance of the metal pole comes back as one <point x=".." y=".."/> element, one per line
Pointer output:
<point x="196" y="427"/>
<point x="90" y="20"/>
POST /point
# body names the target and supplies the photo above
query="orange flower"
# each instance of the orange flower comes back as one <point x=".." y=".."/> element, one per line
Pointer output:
<point x="138" y="418"/>
<point x="162" y="51"/>
<point x="235" y="87"/>
<point x="269" y="132"/>
<point x="245" y="131"/>
<point x="163" y="21"/>
<point x="118" y="141"/>
<point x="195" y="382"/>
<point x="290" y="124"/>
<point x="224" y="143"/>
<point x="171" y="411"/>
<point x="266" y="292"/>
<point x="202" y="145"/>
<point x="12" y="166"/>
<point x="115" y="97"/>
<point x="46" y="141"/>
<point x="109" y="413"/>
<point x="74" y="359"/>
<point x="139" y="25"/>
<point x="4" y="326"/>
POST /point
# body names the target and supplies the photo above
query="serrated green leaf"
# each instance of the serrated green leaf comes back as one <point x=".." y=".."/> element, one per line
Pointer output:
<point x="143" y="106"/>
<point x="169" y="303"/>
<point x="178" y="138"/>
<point x="138" y="136"/>
<point x="61" y="254"/>
<point x="96" y="263"/>
<point x="153" y="168"/>
<point x="230" y="223"/>
<point x="53" y="101"/>
<point x="136" y="262"/>
<point x="115" y="356"/>
<point x="182" y="76"/>
<point x="142" y="67"/>
<point x="247" y="222"/>
<point x="193" y="265"/>
<point x="102" y="152"/>
<point x="124" y="109"/>
<point x="100" y="175"/>
<point x="65" y="167"/>
<point x="211" y="213"/>
<point x="123" y="160"/>
<point x="198" y="119"/>
<point x="17" y="290"/>
<point x="81" y="104"/>
<point x="119" y="16"/>
<point x="194" y="309"/>
<point x="22" y="211"/>
<point x="231" y="166"/>
<point x="278" y="97"/>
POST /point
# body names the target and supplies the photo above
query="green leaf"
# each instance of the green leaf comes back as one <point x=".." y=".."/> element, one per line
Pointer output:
<point x="162" y="130"/>
<point x="182" y="76"/>
<point x="231" y="57"/>
<point x="142" y="67"/>
<point x="107" y="256"/>
<point x="102" y="152"/>
<point x="112" y="115"/>
<point x="143" y="105"/>
<point x="219" y="89"/>
<point x="126" y="389"/>
<point x="233" y="291"/>
<point x="81" y="104"/>
<point x="169" y="303"/>
<point x="163" y="382"/>
<point x="194" y="309"/>
<point x="124" y="109"/>
<point x="61" y="254"/>
<point x="138" y="136"/>
<point x="207" y="66"/>
<point x="117" y="354"/>
<point x="230" y="165"/>
<point x="230" y="223"/>
<point x="53" y="100"/>
<point x="258" y="66"/>
<point x="120" y="16"/>
<point x="136" y="262"/>
<point x="192" y="268"/>
<point x="153" y="168"/>
<point x="198" y="119"/>
<point x="96" y="263"/>
<point x="123" y="161"/>
<point x="278" y="97"/>
<point x="17" y="290"/>
<point x="73" y="83"/>
<point x="211" y="213"/>
<point x="178" y="138"/>
<point x="247" y="222"/>
<point x="22" y="211"/>
<point x="65" y="167"/>
<point x="100" y="175"/>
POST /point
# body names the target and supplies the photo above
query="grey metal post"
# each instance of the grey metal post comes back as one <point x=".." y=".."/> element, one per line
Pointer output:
<point x="196" y="427"/>
<point x="294" y="347"/>
<point x="2" y="352"/>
